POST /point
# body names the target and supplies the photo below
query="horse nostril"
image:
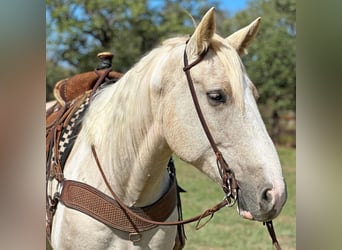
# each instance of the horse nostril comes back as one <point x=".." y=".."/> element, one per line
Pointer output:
<point x="270" y="200"/>
<point x="267" y="199"/>
<point x="266" y="195"/>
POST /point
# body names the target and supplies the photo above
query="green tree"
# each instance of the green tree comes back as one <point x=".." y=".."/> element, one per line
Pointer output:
<point x="84" y="28"/>
<point x="54" y="73"/>
<point x="271" y="63"/>
<point x="77" y="31"/>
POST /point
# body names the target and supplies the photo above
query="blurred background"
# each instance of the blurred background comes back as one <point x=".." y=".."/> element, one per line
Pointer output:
<point x="24" y="33"/>
<point x="76" y="31"/>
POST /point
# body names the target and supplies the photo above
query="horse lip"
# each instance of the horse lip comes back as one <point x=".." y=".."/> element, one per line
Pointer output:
<point x="241" y="208"/>
<point x="246" y="215"/>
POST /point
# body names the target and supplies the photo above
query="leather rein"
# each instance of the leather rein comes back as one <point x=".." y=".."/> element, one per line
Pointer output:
<point x="229" y="183"/>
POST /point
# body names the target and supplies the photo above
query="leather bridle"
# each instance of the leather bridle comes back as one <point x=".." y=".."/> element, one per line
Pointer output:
<point x="229" y="183"/>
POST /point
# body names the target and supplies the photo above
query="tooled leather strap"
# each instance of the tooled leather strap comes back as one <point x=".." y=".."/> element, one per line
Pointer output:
<point x="209" y="212"/>
<point x="90" y="201"/>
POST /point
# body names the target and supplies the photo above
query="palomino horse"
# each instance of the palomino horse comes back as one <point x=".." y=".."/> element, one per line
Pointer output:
<point x="137" y="123"/>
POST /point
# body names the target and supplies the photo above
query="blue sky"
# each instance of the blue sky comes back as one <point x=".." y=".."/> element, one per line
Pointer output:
<point x="233" y="6"/>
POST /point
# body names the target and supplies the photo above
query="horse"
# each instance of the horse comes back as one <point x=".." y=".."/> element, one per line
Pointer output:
<point x="136" y="124"/>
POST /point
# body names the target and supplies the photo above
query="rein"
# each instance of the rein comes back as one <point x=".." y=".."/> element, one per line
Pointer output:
<point x="208" y="212"/>
<point x="229" y="183"/>
<point x="66" y="188"/>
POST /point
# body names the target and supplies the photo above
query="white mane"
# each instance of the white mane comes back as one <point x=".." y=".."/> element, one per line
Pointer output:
<point x="122" y="96"/>
<point x="121" y="114"/>
<point x="116" y="111"/>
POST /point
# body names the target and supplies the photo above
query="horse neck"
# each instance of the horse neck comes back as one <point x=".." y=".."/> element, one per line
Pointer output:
<point x="128" y="140"/>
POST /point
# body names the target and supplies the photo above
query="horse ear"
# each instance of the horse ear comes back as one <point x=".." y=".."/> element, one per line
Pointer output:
<point x="241" y="39"/>
<point x="200" y="39"/>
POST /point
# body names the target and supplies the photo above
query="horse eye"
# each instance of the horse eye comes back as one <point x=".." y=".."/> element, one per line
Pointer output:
<point x="216" y="97"/>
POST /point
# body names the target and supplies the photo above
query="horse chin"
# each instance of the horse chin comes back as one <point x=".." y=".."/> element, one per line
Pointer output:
<point x="245" y="214"/>
<point x="242" y="208"/>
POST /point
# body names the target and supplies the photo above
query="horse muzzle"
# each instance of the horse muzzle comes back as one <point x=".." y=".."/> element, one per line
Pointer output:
<point x="265" y="205"/>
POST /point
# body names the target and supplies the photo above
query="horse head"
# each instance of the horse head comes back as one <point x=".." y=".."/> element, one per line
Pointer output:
<point x="227" y="98"/>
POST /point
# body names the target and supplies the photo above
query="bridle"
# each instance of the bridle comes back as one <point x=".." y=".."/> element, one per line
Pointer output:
<point x="229" y="183"/>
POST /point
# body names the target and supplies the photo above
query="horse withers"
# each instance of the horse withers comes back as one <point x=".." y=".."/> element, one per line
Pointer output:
<point x="137" y="123"/>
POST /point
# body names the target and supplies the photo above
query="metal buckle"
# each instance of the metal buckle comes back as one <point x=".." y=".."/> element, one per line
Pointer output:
<point x="134" y="237"/>
<point x="231" y="196"/>
<point x="230" y="201"/>
<point x="59" y="188"/>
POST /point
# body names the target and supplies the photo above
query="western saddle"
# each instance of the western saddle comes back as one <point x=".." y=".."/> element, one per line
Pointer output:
<point x="70" y="94"/>
<point x="73" y="95"/>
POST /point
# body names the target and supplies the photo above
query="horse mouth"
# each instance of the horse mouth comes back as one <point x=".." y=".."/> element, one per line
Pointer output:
<point x="244" y="211"/>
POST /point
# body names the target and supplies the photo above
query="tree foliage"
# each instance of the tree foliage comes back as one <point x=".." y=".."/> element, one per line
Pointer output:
<point x="85" y="28"/>
<point x="77" y="31"/>
<point x="54" y="73"/>
<point x="271" y="63"/>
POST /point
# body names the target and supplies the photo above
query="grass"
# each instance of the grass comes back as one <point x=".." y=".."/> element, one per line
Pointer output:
<point x="227" y="230"/>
